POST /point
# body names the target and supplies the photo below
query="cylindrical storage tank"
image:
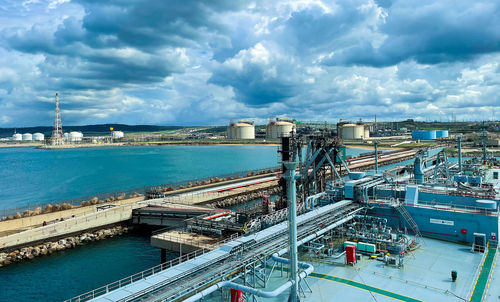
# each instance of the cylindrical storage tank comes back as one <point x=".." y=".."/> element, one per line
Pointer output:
<point x="429" y="134"/>
<point x="359" y="131"/>
<point x="66" y="135"/>
<point x="27" y="137"/>
<point x="348" y="131"/>
<point x="417" y="134"/>
<point x="38" y="137"/>
<point x="17" y="137"/>
<point x="244" y="131"/>
<point x="117" y="134"/>
<point x="75" y="136"/>
<point x="441" y="133"/>
<point x="367" y="133"/>
<point x="277" y="129"/>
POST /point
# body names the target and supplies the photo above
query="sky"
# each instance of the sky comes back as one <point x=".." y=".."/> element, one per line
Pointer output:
<point x="184" y="62"/>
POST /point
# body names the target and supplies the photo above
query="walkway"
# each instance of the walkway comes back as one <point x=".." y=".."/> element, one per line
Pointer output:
<point x="364" y="287"/>
<point x="483" y="278"/>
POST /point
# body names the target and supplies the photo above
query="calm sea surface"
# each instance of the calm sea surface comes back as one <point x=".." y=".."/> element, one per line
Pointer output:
<point x="29" y="176"/>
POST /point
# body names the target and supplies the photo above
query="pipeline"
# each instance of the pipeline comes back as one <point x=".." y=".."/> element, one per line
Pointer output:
<point x="308" y="269"/>
<point x="224" y="213"/>
<point x="312" y="199"/>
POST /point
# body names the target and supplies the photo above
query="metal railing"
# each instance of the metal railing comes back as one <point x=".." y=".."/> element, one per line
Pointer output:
<point x="454" y="207"/>
<point x="308" y="226"/>
<point x="476" y="276"/>
<point x="53" y="229"/>
<point x="438" y="206"/>
<point x="186" y="241"/>
<point x="145" y="273"/>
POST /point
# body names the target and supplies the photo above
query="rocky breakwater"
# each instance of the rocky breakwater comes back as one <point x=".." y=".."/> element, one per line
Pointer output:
<point x="47" y="248"/>
<point x="244" y="197"/>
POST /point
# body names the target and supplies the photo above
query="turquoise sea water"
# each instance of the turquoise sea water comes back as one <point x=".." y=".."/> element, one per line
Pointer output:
<point x="33" y="176"/>
<point x="65" y="274"/>
<point x="30" y="175"/>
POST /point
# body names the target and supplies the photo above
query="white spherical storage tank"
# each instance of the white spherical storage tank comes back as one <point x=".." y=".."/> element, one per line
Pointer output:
<point x="117" y="134"/>
<point x="27" y="137"/>
<point x="17" y="137"/>
<point x="38" y="137"/>
<point x="75" y="136"/>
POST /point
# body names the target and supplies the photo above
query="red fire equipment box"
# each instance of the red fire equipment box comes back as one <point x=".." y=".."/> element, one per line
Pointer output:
<point x="350" y="252"/>
<point x="236" y="295"/>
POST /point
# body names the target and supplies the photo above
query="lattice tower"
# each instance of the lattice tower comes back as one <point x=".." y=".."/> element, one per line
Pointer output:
<point x="57" y="133"/>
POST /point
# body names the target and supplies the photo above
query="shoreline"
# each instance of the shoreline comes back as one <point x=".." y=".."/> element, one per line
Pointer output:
<point x="176" y="143"/>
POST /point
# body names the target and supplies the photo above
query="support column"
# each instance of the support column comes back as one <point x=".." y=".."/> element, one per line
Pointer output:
<point x="292" y="228"/>
<point x="163" y="255"/>
<point x="375" y="143"/>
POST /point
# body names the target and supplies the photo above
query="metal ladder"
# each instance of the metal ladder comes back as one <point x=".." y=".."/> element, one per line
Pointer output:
<point x="407" y="217"/>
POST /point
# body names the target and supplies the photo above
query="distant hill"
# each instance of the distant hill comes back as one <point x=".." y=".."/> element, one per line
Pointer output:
<point x="89" y="129"/>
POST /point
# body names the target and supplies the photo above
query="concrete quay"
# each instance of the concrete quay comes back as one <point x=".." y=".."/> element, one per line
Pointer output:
<point x="70" y="226"/>
<point x="8" y="227"/>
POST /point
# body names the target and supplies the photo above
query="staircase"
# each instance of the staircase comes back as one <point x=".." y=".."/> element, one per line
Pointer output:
<point x="409" y="220"/>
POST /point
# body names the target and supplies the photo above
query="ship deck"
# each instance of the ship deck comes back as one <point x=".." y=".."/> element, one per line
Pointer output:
<point x="425" y="276"/>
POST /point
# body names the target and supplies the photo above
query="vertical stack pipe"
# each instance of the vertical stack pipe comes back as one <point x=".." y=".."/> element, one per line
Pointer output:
<point x="459" y="141"/>
<point x="292" y="227"/>
<point x="484" y="143"/>
<point x="419" y="174"/>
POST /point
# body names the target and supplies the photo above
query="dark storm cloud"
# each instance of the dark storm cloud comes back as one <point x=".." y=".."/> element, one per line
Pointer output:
<point x="121" y="42"/>
<point x="429" y="32"/>
<point x="185" y="62"/>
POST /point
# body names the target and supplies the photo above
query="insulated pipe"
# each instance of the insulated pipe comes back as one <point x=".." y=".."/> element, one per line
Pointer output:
<point x="308" y="269"/>
<point x="338" y="256"/>
<point x="292" y="228"/>
<point x="257" y="292"/>
<point x="313" y="199"/>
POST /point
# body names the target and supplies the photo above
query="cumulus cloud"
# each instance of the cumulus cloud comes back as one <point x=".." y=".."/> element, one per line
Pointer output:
<point x="199" y="62"/>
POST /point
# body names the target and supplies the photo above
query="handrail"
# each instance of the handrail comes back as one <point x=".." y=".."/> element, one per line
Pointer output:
<point x="440" y="206"/>
<point x="49" y="230"/>
<point x="476" y="276"/>
<point x="145" y="273"/>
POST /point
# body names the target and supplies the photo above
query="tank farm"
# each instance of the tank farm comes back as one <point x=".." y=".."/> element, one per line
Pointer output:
<point x="320" y="227"/>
